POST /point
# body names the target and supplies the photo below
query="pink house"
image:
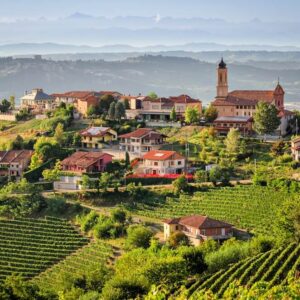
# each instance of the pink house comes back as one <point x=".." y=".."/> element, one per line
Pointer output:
<point x="86" y="162"/>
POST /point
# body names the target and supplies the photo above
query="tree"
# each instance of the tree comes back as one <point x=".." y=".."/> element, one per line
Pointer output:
<point x="112" y="111"/>
<point x="120" y="111"/>
<point x="138" y="237"/>
<point x="217" y="173"/>
<point x="191" y="115"/>
<point x="104" y="104"/>
<point x="210" y="113"/>
<point x="118" y="215"/>
<point x="180" y="184"/>
<point x="266" y="119"/>
<point x="59" y="134"/>
<point x="278" y="148"/>
<point x="232" y="142"/>
<point x="4" y="106"/>
<point x="127" y="159"/>
<point x="194" y="259"/>
<point x="126" y="104"/>
<point x="177" y="239"/>
<point x="173" y="116"/>
<point x="85" y="182"/>
<point x="105" y="181"/>
<point x="12" y="101"/>
<point x="287" y="223"/>
<point x="152" y="95"/>
<point x="53" y="174"/>
<point x="18" y="143"/>
<point x="76" y="140"/>
<point x="200" y="176"/>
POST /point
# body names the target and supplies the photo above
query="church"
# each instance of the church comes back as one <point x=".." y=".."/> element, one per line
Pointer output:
<point x="237" y="108"/>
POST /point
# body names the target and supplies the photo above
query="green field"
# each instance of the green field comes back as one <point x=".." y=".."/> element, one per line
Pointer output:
<point x="86" y="260"/>
<point x="272" y="267"/>
<point x="246" y="207"/>
<point x="30" y="246"/>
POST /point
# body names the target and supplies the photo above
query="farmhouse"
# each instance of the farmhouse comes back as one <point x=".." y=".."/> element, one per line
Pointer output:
<point x="243" y="102"/>
<point x="159" y="162"/>
<point x="141" y="141"/>
<point x="94" y="137"/>
<point x="296" y="149"/>
<point x="198" y="228"/>
<point x="14" y="162"/>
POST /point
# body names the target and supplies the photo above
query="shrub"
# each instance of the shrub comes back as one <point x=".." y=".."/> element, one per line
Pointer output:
<point x="138" y="236"/>
<point x="178" y="239"/>
<point x="118" y="215"/>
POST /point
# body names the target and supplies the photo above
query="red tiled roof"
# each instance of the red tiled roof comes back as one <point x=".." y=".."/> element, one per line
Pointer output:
<point x="162" y="155"/>
<point x="266" y="96"/>
<point x="83" y="159"/>
<point x="199" y="222"/>
<point x="15" y="156"/>
<point x="233" y="101"/>
<point x="137" y="133"/>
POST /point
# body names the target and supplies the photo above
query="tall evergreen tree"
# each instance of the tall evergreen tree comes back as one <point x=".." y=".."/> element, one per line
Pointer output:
<point x="173" y="116"/>
<point x="112" y="111"/>
<point x="120" y="111"/>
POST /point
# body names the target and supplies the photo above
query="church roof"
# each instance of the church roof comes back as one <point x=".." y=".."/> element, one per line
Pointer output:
<point x="255" y="95"/>
<point x="222" y="64"/>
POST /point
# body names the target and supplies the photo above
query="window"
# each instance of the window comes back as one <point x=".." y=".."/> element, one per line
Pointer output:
<point x="155" y="163"/>
<point x="179" y="162"/>
<point x="203" y="232"/>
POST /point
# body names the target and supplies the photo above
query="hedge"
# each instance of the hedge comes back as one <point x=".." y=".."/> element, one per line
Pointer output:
<point x="149" y="181"/>
<point x="35" y="174"/>
<point x="45" y="186"/>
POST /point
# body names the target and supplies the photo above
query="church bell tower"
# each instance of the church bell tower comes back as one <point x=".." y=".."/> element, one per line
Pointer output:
<point x="222" y="87"/>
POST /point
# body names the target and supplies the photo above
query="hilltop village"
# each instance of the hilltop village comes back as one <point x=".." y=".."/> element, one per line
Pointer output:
<point x="112" y="196"/>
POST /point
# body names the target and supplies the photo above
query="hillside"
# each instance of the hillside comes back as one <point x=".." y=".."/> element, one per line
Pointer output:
<point x="241" y="206"/>
<point x="162" y="74"/>
<point x="30" y="246"/>
<point x="272" y="267"/>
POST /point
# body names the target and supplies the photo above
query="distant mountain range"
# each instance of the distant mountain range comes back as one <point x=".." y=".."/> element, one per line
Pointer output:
<point x="54" y="48"/>
<point x="166" y="75"/>
<point x="81" y="29"/>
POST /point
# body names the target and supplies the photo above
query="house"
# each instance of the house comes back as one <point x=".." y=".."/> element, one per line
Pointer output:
<point x="86" y="162"/>
<point x="94" y="137"/>
<point x="78" y="164"/>
<point x="243" y="123"/>
<point x="141" y="141"/>
<point x="160" y="162"/>
<point x="13" y="163"/>
<point x="83" y="100"/>
<point x="243" y="102"/>
<point x="37" y="101"/>
<point x="198" y="228"/>
<point x="296" y="149"/>
<point x="158" y="110"/>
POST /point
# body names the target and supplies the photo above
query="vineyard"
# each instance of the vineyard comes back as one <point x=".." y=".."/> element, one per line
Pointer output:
<point x="272" y="267"/>
<point x="29" y="246"/>
<point x="246" y="207"/>
<point x="85" y="261"/>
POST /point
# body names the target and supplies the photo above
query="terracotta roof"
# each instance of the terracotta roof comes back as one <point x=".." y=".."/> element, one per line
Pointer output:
<point x="183" y="99"/>
<point x="266" y="96"/>
<point x="162" y="155"/>
<point x="296" y="139"/>
<point x="199" y="222"/>
<point x="15" y="156"/>
<point x="233" y="101"/>
<point x="75" y="94"/>
<point x="83" y="159"/>
<point x="137" y="133"/>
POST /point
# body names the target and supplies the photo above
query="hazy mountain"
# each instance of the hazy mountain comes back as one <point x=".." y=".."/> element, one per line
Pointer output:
<point x="80" y="29"/>
<point x="164" y="75"/>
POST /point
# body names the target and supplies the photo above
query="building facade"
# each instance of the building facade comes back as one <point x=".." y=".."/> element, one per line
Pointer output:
<point x="13" y="163"/>
<point x="160" y="163"/>
<point x="141" y="141"/>
<point x="295" y="147"/>
<point x="94" y="137"/>
<point x="243" y="124"/>
<point x="198" y="228"/>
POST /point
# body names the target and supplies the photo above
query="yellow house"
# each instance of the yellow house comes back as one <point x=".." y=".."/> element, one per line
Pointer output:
<point x="94" y="137"/>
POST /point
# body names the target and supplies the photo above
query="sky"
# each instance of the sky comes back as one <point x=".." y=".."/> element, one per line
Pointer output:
<point x="231" y="10"/>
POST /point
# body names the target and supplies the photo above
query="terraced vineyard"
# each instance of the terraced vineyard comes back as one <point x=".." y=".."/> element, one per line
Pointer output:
<point x="246" y="207"/>
<point x="85" y="261"/>
<point x="29" y="246"/>
<point x="272" y="266"/>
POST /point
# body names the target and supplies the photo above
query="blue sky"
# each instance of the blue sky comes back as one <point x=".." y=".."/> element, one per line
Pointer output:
<point x="233" y="10"/>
